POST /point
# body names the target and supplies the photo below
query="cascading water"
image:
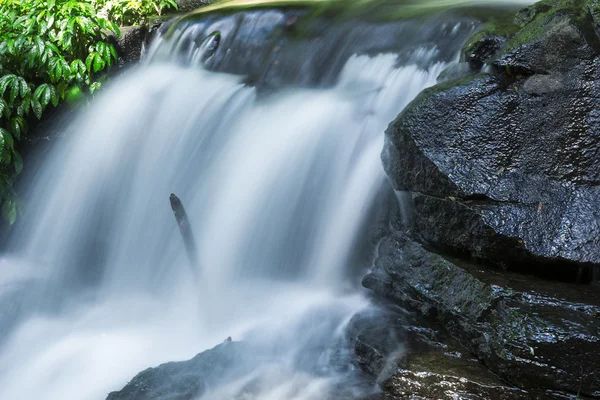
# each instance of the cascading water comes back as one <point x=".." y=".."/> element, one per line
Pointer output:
<point x="278" y="187"/>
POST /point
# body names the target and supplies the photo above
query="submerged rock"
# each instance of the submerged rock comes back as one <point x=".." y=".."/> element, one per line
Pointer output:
<point x="412" y="358"/>
<point x="534" y="334"/>
<point x="185" y="380"/>
<point x="505" y="167"/>
<point x="278" y="47"/>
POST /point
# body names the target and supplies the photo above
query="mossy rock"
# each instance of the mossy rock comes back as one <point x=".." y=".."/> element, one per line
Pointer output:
<point x="508" y="33"/>
<point x="538" y="18"/>
<point x="504" y="28"/>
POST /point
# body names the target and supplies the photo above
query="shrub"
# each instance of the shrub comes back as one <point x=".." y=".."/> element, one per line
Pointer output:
<point x="48" y="48"/>
<point x="132" y="12"/>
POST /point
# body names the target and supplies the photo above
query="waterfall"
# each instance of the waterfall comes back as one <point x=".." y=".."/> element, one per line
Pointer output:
<point x="278" y="186"/>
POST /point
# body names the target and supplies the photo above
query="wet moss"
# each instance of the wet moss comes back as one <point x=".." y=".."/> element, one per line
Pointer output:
<point x="536" y="19"/>
<point x="500" y="24"/>
<point x="439" y="88"/>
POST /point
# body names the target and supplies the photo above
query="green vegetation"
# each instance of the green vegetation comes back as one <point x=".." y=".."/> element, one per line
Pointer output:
<point x="133" y="12"/>
<point x="52" y="50"/>
<point x="47" y="48"/>
<point x="501" y="24"/>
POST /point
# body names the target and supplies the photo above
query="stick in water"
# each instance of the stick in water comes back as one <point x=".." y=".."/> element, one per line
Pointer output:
<point x="186" y="231"/>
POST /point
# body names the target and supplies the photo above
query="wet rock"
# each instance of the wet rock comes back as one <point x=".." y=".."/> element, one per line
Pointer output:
<point x="542" y="84"/>
<point x="534" y="334"/>
<point x="412" y="358"/>
<point x="505" y="167"/>
<point x="191" y="5"/>
<point x="554" y="41"/>
<point x="454" y="72"/>
<point x="483" y="49"/>
<point x="185" y="380"/>
<point x="266" y="45"/>
<point x="131" y="43"/>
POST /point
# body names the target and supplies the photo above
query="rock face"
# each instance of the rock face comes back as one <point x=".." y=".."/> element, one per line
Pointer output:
<point x="428" y="364"/>
<point x="131" y="43"/>
<point x="501" y="168"/>
<point x="505" y="167"/>
<point x="532" y="333"/>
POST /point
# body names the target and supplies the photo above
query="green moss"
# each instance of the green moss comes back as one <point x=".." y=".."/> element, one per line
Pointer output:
<point x="501" y="24"/>
<point x="532" y="22"/>
<point x="536" y="19"/>
<point x="433" y="90"/>
<point x="440" y="87"/>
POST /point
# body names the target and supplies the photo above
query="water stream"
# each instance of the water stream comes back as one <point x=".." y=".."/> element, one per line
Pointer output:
<point x="278" y="187"/>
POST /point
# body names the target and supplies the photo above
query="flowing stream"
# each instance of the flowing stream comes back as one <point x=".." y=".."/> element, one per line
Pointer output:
<point x="278" y="186"/>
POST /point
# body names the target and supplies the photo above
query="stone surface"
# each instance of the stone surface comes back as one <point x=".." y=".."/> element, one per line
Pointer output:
<point x="191" y="5"/>
<point x="483" y="49"/>
<point x="534" y="334"/>
<point x="412" y="358"/>
<point x="185" y="380"/>
<point x="505" y="167"/>
<point x="133" y="39"/>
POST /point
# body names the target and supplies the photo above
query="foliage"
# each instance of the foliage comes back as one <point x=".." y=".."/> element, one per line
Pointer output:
<point x="48" y="49"/>
<point x="133" y="12"/>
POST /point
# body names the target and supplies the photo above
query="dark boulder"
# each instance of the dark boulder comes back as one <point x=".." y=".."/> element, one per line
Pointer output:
<point x="505" y="167"/>
<point x="186" y="380"/>
<point x="411" y="357"/>
<point x="483" y="49"/>
<point x="132" y="42"/>
<point x="534" y="334"/>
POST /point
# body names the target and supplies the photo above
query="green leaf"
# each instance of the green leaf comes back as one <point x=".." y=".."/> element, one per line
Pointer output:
<point x="8" y="139"/>
<point x="24" y="87"/>
<point x="19" y="127"/>
<point x="50" y="21"/>
<point x="14" y="91"/>
<point x="47" y="95"/>
<point x="89" y="60"/>
<point x="53" y="47"/>
<point x="99" y="63"/>
<point x="18" y="162"/>
<point x="115" y="29"/>
<point x="58" y="71"/>
<point x="55" y="97"/>
<point x="22" y="108"/>
<point x="16" y="128"/>
<point x="9" y="211"/>
<point x="73" y="94"/>
<point x="113" y="51"/>
<point x="2" y="144"/>
<point x="95" y="86"/>
<point x="5" y="81"/>
<point x="37" y="108"/>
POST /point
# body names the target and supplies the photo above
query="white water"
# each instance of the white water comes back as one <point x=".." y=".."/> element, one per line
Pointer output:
<point x="277" y="189"/>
